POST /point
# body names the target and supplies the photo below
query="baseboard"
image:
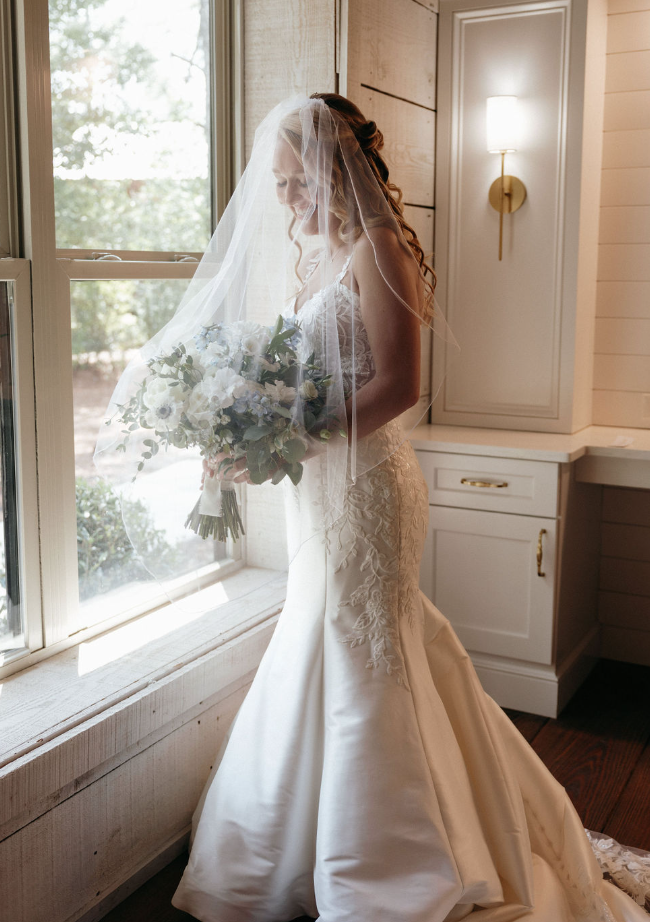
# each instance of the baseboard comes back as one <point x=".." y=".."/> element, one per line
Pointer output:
<point x="536" y="688"/>
<point x="134" y="881"/>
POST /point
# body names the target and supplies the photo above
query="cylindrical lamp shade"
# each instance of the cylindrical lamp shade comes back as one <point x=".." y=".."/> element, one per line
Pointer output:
<point x="501" y="123"/>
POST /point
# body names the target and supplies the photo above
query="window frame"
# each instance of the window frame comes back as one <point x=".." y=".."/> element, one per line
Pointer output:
<point x="51" y="562"/>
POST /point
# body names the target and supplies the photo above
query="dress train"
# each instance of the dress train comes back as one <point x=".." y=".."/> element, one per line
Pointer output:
<point x="367" y="776"/>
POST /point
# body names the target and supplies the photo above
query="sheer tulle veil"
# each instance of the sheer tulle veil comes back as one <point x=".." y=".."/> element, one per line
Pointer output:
<point x="217" y="355"/>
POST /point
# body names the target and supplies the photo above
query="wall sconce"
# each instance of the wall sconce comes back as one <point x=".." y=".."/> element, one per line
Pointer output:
<point x="507" y="193"/>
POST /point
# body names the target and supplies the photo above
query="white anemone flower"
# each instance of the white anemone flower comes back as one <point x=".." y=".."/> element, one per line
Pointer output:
<point x="164" y="404"/>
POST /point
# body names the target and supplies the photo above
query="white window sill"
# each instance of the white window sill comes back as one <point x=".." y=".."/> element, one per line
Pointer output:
<point x="88" y="708"/>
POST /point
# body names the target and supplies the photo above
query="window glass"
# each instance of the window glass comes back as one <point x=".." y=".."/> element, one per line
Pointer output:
<point x="131" y="127"/>
<point x="12" y="628"/>
<point x="110" y="320"/>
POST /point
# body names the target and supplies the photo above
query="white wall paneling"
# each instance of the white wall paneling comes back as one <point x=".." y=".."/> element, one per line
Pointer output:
<point x="622" y="345"/>
<point x="525" y="324"/>
<point x="625" y="224"/>
<point x="628" y="70"/>
<point x="630" y="32"/>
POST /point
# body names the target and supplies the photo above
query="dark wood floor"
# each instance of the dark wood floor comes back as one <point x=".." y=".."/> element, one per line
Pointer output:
<point x="599" y="749"/>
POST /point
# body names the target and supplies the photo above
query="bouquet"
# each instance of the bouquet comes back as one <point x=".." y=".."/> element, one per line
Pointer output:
<point x="237" y="391"/>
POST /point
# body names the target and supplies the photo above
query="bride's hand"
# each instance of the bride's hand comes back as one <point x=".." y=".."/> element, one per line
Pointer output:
<point x="236" y="472"/>
<point x="316" y="445"/>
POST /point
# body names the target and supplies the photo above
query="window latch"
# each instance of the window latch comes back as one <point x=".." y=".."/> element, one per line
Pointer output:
<point x="106" y="256"/>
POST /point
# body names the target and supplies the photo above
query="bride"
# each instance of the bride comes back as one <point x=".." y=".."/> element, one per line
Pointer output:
<point x="367" y="776"/>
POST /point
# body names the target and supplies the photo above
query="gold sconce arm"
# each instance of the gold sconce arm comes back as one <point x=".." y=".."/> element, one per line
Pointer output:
<point x="507" y="194"/>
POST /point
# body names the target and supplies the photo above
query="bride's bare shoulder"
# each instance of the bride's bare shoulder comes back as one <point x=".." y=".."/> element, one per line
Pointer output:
<point x="380" y="245"/>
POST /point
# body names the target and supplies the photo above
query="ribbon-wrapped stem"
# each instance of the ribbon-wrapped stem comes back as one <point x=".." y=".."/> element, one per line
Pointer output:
<point x="216" y="513"/>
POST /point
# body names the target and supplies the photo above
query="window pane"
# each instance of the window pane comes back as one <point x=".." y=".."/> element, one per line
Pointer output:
<point x="130" y="113"/>
<point x="12" y="628"/>
<point x="110" y="319"/>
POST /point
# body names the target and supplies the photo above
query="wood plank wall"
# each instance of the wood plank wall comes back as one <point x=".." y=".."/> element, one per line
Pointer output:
<point x="388" y="68"/>
<point x="622" y="346"/>
<point x="289" y="48"/>
<point x="624" y="581"/>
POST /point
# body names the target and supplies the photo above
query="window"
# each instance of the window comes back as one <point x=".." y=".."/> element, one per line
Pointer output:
<point x="126" y="164"/>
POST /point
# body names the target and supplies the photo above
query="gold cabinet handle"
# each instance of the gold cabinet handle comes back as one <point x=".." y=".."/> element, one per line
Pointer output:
<point x="482" y="483"/>
<point x="542" y="531"/>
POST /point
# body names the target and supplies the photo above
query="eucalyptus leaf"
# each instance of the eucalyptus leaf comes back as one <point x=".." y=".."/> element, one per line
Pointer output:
<point x="294" y="450"/>
<point x="253" y="433"/>
<point x="294" y="472"/>
<point x="279" y="475"/>
<point x="257" y="476"/>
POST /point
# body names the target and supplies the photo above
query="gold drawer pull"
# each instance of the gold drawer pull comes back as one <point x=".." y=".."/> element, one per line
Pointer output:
<point x="542" y="531"/>
<point x="481" y="483"/>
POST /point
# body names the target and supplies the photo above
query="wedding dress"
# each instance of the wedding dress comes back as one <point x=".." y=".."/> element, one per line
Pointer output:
<point x="367" y="776"/>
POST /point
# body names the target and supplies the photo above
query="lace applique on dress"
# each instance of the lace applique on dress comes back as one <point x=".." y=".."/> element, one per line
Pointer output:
<point x="386" y="510"/>
<point x="629" y="868"/>
<point x="385" y="523"/>
<point x="357" y="369"/>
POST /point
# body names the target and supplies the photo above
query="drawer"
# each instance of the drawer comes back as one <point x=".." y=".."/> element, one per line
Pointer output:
<point x="494" y="484"/>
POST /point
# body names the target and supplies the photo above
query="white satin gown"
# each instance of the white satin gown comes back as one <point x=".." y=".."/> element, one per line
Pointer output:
<point x="367" y="776"/>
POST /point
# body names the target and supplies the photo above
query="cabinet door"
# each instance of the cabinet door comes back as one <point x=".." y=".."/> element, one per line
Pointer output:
<point x="480" y="569"/>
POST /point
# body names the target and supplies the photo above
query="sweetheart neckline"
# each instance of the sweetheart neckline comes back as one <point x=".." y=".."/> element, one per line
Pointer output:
<point x="305" y="303"/>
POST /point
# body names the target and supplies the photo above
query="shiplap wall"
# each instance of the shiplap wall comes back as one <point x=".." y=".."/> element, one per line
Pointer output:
<point x="622" y="346"/>
<point x="624" y="584"/>
<point x="289" y="48"/>
<point x="388" y="68"/>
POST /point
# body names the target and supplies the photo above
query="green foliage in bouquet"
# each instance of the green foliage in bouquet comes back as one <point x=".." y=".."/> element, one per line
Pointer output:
<point x="236" y="391"/>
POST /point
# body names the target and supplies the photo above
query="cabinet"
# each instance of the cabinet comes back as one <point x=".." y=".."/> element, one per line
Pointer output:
<point x="511" y="558"/>
<point x="525" y="323"/>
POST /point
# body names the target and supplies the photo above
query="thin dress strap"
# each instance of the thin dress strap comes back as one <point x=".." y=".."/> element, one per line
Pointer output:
<point x="346" y="265"/>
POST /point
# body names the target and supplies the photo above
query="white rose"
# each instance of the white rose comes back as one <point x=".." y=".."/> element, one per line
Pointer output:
<point x="255" y="342"/>
<point x="308" y="390"/>
<point x="252" y="338"/>
<point x="199" y="411"/>
<point x="280" y="392"/>
<point x="217" y="391"/>
<point x="213" y="351"/>
<point x="156" y="390"/>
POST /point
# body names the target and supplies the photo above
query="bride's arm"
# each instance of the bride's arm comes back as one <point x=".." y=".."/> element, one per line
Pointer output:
<point x="393" y="332"/>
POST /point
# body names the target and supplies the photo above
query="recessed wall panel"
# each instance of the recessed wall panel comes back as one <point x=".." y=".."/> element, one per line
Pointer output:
<point x="506" y="314"/>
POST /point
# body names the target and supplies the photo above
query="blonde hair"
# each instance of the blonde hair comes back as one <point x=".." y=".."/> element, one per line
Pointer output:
<point x="371" y="141"/>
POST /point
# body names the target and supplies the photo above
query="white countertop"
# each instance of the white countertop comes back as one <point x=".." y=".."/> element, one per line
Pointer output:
<point x="541" y="446"/>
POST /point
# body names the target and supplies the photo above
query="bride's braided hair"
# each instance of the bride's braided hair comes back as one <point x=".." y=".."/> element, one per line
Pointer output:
<point x="371" y="141"/>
